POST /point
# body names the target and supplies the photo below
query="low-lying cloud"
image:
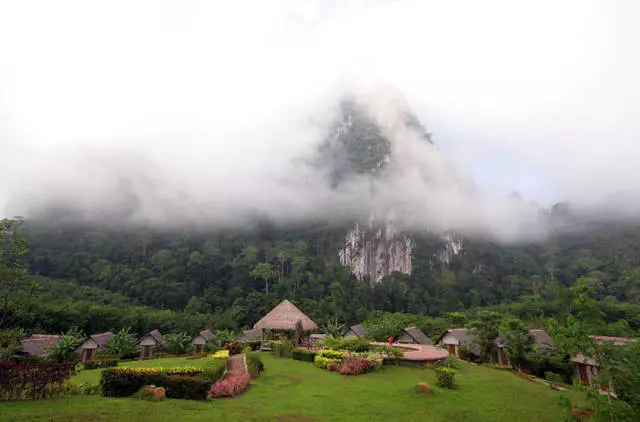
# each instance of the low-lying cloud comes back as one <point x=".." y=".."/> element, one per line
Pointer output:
<point x="204" y="113"/>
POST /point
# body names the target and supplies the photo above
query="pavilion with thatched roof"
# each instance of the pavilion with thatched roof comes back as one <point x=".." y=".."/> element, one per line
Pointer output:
<point x="285" y="317"/>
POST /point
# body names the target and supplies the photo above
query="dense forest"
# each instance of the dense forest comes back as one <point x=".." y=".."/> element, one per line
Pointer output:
<point x="105" y="278"/>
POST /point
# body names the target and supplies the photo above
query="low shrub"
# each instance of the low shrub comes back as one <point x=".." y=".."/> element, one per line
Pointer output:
<point x="354" y="366"/>
<point x="230" y="387"/>
<point x="376" y="359"/>
<point x="554" y="378"/>
<point x="85" y="389"/>
<point x="186" y="387"/>
<point x="333" y="367"/>
<point x="323" y="362"/>
<point x="234" y="347"/>
<point x="254" y="365"/>
<point x="498" y="367"/>
<point x="254" y="344"/>
<point x="100" y="363"/>
<point x="390" y="352"/>
<point x="282" y="348"/>
<point x="20" y="381"/>
<point x="221" y="354"/>
<point x="304" y="355"/>
<point x="331" y="354"/>
<point x="215" y="373"/>
<point x="445" y="377"/>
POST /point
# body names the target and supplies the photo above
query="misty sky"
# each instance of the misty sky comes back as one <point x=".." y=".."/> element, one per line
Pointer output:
<point x="539" y="97"/>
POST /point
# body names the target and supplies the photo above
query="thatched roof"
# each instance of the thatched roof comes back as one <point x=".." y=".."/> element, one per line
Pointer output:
<point x="285" y="317"/>
<point x="417" y="334"/>
<point x="250" y="335"/>
<point x="356" y="331"/>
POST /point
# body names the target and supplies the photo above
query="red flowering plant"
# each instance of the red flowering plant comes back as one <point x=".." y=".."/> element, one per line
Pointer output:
<point x="230" y="386"/>
<point x="354" y="366"/>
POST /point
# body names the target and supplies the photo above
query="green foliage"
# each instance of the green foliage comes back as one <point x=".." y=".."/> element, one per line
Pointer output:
<point x="333" y="328"/>
<point x="13" y="272"/>
<point x="376" y="359"/>
<point x="282" y="348"/>
<point x="254" y="344"/>
<point x="445" y="377"/>
<point x="486" y="328"/>
<point x="100" y="363"/>
<point x="122" y="345"/>
<point x="177" y="344"/>
<point x="354" y="344"/>
<point x="389" y="351"/>
<point x="324" y="362"/>
<point x="10" y="343"/>
<point x="304" y="355"/>
<point x="519" y="342"/>
<point x="65" y="350"/>
<point x="331" y="354"/>
<point x="85" y="389"/>
<point x="254" y="365"/>
<point x="554" y="377"/>
<point x="187" y="387"/>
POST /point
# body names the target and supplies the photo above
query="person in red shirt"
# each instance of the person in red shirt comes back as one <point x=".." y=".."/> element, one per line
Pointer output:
<point x="390" y="341"/>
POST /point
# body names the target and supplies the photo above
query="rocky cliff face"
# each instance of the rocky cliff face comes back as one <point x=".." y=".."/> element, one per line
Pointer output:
<point x="372" y="254"/>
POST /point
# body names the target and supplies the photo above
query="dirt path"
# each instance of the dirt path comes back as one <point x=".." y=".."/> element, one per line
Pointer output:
<point x="236" y="365"/>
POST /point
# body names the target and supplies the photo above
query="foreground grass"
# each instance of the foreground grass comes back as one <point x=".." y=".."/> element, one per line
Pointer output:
<point x="297" y="391"/>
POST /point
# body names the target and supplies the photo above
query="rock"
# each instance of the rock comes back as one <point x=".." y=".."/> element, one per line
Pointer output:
<point x="152" y="393"/>
<point x="424" y="388"/>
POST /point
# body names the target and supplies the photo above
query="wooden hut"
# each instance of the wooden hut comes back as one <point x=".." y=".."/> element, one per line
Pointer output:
<point x="587" y="368"/>
<point x="454" y="338"/>
<point x="413" y="335"/>
<point x="200" y="340"/>
<point x="93" y="344"/>
<point x="355" y="331"/>
<point x="250" y="335"/>
<point x="39" y="344"/>
<point x="148" y="342"/>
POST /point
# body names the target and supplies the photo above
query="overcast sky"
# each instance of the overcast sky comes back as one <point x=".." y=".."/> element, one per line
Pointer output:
<point x="540" y="97"/>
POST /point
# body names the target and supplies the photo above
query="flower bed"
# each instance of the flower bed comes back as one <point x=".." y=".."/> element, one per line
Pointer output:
<point x="220" y="354"/>
<point x="230" y="386"/>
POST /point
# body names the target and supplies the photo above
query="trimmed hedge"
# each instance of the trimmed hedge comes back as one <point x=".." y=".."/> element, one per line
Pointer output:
<point x="323" y="362"/>
<point x="331" y="354"/>
<point x="186" y="382"/>
<point x="186" y="387"/>
<point x="101" y="363"/>
<point x="304" y="355"/>
<point x="21" y="381"/>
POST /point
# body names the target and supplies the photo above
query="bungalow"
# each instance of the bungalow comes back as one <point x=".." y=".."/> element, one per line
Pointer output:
<point x="586" y="368"/>
<point x="356" y="331"/>
<point x="94" y="343"/>
<point x="455" y="338"/>
<point x="413" y="335"/>
<point x="39" y="344"/>
<point x="201" y="339"/>
<point x="149" y="341"/>
<point x="250" y="335"/>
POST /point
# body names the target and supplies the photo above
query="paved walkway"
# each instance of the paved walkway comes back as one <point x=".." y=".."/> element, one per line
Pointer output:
<point x="236" y="365"/>
<point x="419" y="352"/>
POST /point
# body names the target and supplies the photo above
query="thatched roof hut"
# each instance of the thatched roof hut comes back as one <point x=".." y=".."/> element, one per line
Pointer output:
<point x="285" y="317"/>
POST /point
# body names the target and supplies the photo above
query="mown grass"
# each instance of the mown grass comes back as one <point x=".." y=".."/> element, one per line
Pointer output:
<point x="297" y="391"/>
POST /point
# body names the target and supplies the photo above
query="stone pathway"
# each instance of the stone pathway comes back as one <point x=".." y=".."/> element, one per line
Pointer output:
<point x="236" y="365"/>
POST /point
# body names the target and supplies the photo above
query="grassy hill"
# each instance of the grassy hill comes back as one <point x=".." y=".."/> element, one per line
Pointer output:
<point x="297" y="391"/>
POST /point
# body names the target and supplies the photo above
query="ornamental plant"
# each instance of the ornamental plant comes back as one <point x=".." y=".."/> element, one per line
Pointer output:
<point x="230" y="387"/>
<point x="354" y="366"/>
<point x="445" y="377"/>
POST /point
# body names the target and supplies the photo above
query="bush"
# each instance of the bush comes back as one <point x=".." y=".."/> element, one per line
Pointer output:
<point x="187" y="387"/>
<point x="376" y="359"/>
<point x="215" y="373"/>
<point x="282" y="348"/>
<point x="333" y="367"/>
<point x="356" y="344"/>
<point x="554" y="378"/>
<point x="391" y="352"/>
<point x="100" y="363"/>
<point x="304" y="355"/>
<point x="176" y="344"/>
<point x="20" y="381"/>
<point x="323" y="362"/>
<point x="466" y="354"/>
<point x="331" y="354"/>
<point x="85" y="389"/>
<point x="234" y="347"/>
<point x="196" y="356"/>
<point x="445" y="377"/>
<point x="65" y="349"/>
<point x="230" y="387"/>
<point x="221" y="354"/>
<point x="254" y="344"/>
<point x="254" y="365"/>
<point x="354" y="366"/>
<point x="123" y="345"/>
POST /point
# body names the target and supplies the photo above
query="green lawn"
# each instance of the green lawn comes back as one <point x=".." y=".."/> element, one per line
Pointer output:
<point x="297" y="391"/>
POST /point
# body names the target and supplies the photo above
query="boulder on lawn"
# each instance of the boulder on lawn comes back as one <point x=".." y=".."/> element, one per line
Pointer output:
<point x="424" y="388"/>
<point x="151" y="393"/>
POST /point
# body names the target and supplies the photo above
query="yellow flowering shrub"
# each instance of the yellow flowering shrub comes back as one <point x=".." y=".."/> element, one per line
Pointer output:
<point x="221" y="354"/>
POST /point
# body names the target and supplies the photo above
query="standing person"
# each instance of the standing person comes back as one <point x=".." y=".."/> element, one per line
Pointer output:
<point x="390" y="340"/>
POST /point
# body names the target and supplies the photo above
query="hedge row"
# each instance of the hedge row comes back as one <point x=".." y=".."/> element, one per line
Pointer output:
<point x="254" y="365"/>
<point x="187" y="383"/>
<point x="21" y="381"/>
<point x="101" y="363"/>
<point x="304" y="355"/>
